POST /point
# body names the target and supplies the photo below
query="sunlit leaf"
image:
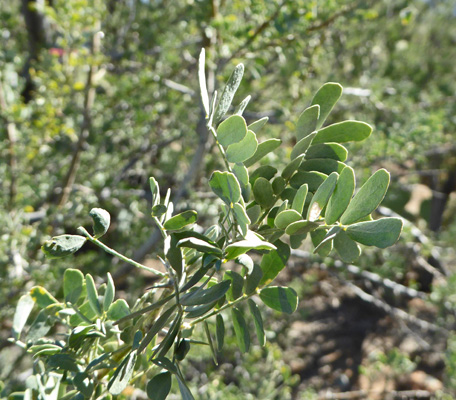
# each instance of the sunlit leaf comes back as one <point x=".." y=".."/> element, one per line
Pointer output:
<point x="92" y="295"/>
<point x="347" y="249"/>
<point x="302" y="146"/>
<point x="380" y="233"/>
<point x="341" y="196"/>
<point x="228" y="92"/>
<point x="63" y="245"/>
<point x="101" y="221"/>
<point x="23" y="309"/>
<point x="226" y="186"/>
<point x="368" y="198"/>
<point x="334" y="151"/>
<point x="326" y="98"/>
<point x="341" y="132"/>
<point x="73" y="282"/>
<point x="181" y="220"/>
<point x="262" y="150"/>
<point x="321" y="197"/>
<point x="307" y="121"/>
<point x="273" y="262"/>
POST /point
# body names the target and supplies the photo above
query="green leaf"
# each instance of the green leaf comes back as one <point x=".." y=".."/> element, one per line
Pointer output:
<point x="317" y="236"/>
<point x="266" y="171"/>
<point x="326" y="98"/>
<point x="273" y="262"/>
<point x="62" y="246"/>
<point x="302" y="146"/>
<point x="253" y="279"/>
<point x="346" y="131"/>
<point x="257" y="125"/>
<point x="83" y="383"/>
<point x="206" y="296"/>
<point x="243" y="150"/>
<point x="226" y="186"/>
<point x="92" y="295"/>
<point x="329" y="237"/>
<point x="347" y="249"/>
<point x="219" y="331"/>
<point x="368" y="198"/>
<point x="62" y="361"/>
<point x="241" y="173"/>
<point x="159" y="386"/>
<point x="289" y="170"/>
<point x="278" y="185"/>
<point x="174" y="255"/>
<point x="285" y="218"/>
<point x="182" y="349"/>
<point x="240" y="330"/>
<point x="199" y="245"/>
<point x="307" y="121"/>
<point x="211" y="343"/>
<point x="241" y="218"/>
<point x="181" y="220"/>
<point x="263" y="193"/>
<point x="237" y="284"/>
<point x="155" y="190"/>
<point x="184" y="390"/>
<point x="262" y="150"/>
<point x="334" y="151"/>
<point x="325" y="165"/>
<point x="122" y="374"/>
<point x="170" y="337"/>
<point x="158" y="325"/>
<point x="278" y="298"/>
<point x="42" y="297"/>
<point x="321" y="197"/>
<point x="117" y="310"/>
<point x="313" y="179"/>
<point x="341" y="196"/>
<point x="242" y="106"/>
<point x="23" y="310"/>
<point x="109" y="293"/>
<point x="198" y="311"/>
<point x="258" y="320"/>
<point x="159" y="210"/>
<point x="202" y="82"/>
<point x="228" y="92"/>
<point x="73" y="282"/>
<point x="300" y="198"/>
<point x="253" y="213"/>
<point x="251" y="242"/>
<point x="101" y="221"/>
<point x="301" y="227"/>
<point x="381" y="233"/>
<point x="296" y="240"/>
<point x="232" y="130"/>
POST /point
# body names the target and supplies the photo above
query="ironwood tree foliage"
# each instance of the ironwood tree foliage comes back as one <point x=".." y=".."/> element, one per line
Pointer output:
<point x="215" y="275"/>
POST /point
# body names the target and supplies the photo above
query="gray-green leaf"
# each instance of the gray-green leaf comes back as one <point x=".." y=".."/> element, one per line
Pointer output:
<point x="73" y="281"/>
<point x="226" y="186"/>
<point x="63" y="245"/>
<point x="341" y="196"/>
<point x="101" y="221"/>
<point x="243" y="150"/>
<point x="307" y="121"/>
<point x="341" y="132"/>
<point x="258" y="320"/>
<point x="159" y="386"/>
<point x="278" y="298"/>
<point x="326" y="98"/>
<point x="321" y="197"/>
<point x="228" y="92"/>
<point x="262" y="150"/>
<point x="368" y="198"/>
<point x="181" y="220"/>
<point x="240" y="330"/>
<point x="381" y="233"/>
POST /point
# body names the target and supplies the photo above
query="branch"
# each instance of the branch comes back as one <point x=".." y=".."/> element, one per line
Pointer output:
<point x="11" y="137"/>
<point x="394" y="394"/>
<point x="86" y="125"/>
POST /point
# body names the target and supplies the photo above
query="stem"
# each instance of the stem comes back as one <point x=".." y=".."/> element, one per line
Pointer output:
<point x="160" y="226"/>
<point x="222" y="151"/>
<point x="90" y="238"/>
<point x="80" y="315"/>
<point x="227" y="305"/>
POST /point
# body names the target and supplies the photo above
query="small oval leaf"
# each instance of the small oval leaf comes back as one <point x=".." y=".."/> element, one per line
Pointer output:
<point x="278" y="298"/>
<point x="243" y="150"/>
<point x="307" y="122"/>
<point x="240" y="330"/>
<point x="101" y="221"/>
<point x="341" y="132"/>
<point x="381" y="233"/>
<point x="326" y="98"/>
<point x="262" y="150"/>
<point x="159" y="386"/>
<point x="368" y="198"/>
<point x="341" y="196"/>
<point x="181" y="220"/>
<point x="321" y="197"/>
<point x="263" y="193"/>
<point x="63" y="245"/>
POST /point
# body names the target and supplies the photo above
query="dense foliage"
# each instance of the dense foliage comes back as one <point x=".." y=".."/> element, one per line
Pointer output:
<point x="96" y="97"/>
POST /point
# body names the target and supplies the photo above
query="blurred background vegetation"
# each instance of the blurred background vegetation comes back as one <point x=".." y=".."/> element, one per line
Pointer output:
<point x="96" y="96"/>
